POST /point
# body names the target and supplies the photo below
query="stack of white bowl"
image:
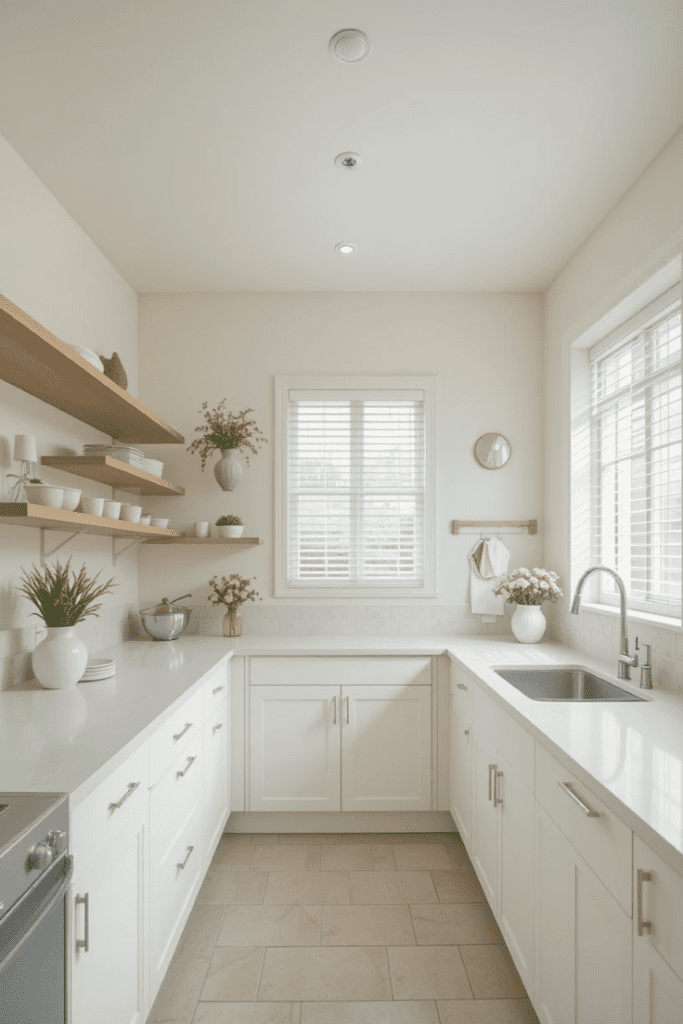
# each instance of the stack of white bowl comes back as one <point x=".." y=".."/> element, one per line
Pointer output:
<point x="54" y="497"/>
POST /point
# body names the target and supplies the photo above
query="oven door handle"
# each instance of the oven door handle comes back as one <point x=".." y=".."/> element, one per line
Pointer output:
<point x="66" y="869"/>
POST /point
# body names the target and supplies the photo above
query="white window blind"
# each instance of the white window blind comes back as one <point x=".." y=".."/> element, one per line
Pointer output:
<point x="356" y="489"/>
<point x="636" y="463"/>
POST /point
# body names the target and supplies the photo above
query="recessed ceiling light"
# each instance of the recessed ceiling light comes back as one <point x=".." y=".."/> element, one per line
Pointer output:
<point x="345" y="247"/>
<point x="350" y="45"/>
<point x="348" y="160"/>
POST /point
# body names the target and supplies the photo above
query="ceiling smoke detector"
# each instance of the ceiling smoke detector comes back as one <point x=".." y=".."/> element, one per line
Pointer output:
<point x="348" y="160"/>
<point x="350" y="45"/>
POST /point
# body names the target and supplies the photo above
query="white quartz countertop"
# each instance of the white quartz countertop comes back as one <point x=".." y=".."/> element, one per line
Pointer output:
<point x="68" y="741"/>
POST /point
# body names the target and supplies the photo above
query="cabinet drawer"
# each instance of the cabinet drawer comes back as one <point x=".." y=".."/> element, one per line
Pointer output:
<point x="174" y="800"/>
<point x="662" y="904"/>
<point x="602" y="840"/>
<point x="216" y="691"/>
<point x="174" y="735"/>
<point x="98" y="818"/>
<point x="508" y="737"/>
<point x="342" y="671"/>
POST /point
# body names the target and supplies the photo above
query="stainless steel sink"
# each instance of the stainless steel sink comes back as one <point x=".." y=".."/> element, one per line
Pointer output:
<point x="563" y="683"/>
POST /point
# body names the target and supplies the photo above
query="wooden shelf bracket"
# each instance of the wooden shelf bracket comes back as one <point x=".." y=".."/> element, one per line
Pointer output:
<point x="48" y="554"/>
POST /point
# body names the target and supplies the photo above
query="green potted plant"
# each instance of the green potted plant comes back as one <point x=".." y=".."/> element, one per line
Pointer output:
<point x="229" y="526"/>
<point x="227" y="434"/>
<point x="63" y="598"/>
<point x="232" y="591"/>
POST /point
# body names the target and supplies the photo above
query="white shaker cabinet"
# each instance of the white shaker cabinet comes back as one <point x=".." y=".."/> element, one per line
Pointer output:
<point x="295" y="745"/>
<point x="583" y="938"/>
<point x="460" y="737"/>
<point x="657" y="939"/>
<point x="109" y="930"/>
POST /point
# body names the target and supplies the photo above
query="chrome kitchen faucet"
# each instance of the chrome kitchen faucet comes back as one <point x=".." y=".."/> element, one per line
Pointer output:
<point x="625" y="662"/>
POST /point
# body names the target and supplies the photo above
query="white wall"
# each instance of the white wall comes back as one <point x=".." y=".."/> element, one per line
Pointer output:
<point x="50" y="268"/>
<point x="639" y="234"/>
<point x="486" y="351"/>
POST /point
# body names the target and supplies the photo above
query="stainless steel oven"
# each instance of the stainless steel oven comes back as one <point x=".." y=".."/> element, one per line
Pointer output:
<point x="35" y="871"/>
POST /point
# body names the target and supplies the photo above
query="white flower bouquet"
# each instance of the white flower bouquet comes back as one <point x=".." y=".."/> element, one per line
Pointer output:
<point x="529" y="586"/>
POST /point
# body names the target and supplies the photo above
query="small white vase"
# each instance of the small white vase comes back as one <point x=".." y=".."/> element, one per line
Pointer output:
<point x="228" y="470"/>
<point x="59" y="660"/>
<point x="528" y="623"/>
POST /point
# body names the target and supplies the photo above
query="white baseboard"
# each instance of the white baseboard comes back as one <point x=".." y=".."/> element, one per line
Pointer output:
<point x="342" y="821"/>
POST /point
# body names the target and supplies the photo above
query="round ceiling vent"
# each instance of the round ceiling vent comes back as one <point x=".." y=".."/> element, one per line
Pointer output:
<point x="350" y="45"/>
<point x="348" y="160"/>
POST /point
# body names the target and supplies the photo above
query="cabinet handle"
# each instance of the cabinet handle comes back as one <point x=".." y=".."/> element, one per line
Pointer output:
<point x="84" y="943"/>
<point x="492" y="772"/>
<point x="566" y="787"/>
<point x="132" y="786"/>
<point x="216" y="689"/>
<point x="467" y="732"/>
<point x="348" y="712"/>
<point x="334" y="720"/>
<point x="187" y="857"/>
<point x="461" y="686"/>
<point x="179" y="735"/>
<point x="218" y="726"/>
<point x="497" y="800"/>
<point x="183" y="773"/>
<point x="643" y="926"/>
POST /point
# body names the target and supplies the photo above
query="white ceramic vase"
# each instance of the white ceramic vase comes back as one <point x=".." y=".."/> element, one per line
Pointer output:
<point x="528" y="623"/>
<point x="59" y="660"/>
<point x="228" y="470"/>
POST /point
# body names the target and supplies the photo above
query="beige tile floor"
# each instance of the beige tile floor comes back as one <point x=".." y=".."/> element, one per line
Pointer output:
<point x="341" y="929"/>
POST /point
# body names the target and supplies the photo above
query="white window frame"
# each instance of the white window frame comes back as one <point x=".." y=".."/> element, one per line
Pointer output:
<point x="655" y="292"/>
<point x="285" y="384"/>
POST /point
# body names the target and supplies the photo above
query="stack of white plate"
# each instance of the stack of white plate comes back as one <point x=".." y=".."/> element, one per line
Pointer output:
<point x="89" y="356"/>
<point x="122" y="452"/>
<point x="98" y="668"/>
<point x="153" y="466"/>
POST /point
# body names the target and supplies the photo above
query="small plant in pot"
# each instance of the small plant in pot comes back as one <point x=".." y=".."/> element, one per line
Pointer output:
<point x="63" y="599"/>
<point x="229" y="526"/>
<point x="232" y="591"/>
<point x="226" y="433"/>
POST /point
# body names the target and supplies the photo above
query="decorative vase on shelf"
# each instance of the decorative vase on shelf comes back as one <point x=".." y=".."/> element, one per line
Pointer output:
<point x="528" y="623"/>
<point x="228" y="470"/>
<point x="232" y="624"/>
<point x="59" y="660"/>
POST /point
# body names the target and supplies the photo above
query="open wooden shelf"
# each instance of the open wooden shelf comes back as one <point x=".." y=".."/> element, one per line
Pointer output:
<point x="233" y="542"/>
<point x="113" y="472"/>
<point x="33" y="359"/>
<point x="21" y="513"/>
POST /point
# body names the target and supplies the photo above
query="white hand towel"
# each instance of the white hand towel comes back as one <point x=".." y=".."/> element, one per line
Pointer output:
<point x="488" y="560"/>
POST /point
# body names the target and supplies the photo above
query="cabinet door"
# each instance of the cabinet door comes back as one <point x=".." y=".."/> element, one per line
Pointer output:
<point x="516" y="869"/>
<point x="295" y="748"/>
<point x="484" y="816"/>
<point x="108" y="978"/>
<point x="216" y="781"/>
<point x="386" y="748"/>
<point x="657" y="991"/>
<point x="461" y="774"/>
<point x="658" y="951"/>
<point x="583" y="938"/>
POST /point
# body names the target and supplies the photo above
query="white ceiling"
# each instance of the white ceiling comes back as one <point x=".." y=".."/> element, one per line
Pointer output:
<point x="194" y="140"/>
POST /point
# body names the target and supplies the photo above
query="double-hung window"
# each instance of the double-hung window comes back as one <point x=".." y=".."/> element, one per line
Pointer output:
<point x="635" y="459"/>
<point x="355" y="486"/>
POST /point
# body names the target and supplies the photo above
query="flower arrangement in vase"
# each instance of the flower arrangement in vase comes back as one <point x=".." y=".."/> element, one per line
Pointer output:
<point x="227" y="434"/>
<point x="232" y="592"/>
<point x="63" y="599"/>
<point x="229" y="526"/>
<point x="528" y="589"/>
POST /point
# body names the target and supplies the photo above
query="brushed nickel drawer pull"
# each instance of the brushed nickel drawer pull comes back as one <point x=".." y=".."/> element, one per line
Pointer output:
<point x="643" y="926"/>
<point x="218" y="726"/>
<point x="461" y="686"/>
<point x="84" y="943"/>
<point x="334" y="720"/>
<point x="467" y="732"/>
<point x="183" y="773"/>
<point x="566" y="787"/>
<point x="187" y="857"/>
<point x="132" y="786"/>
<point x="497" y="800"/>
<point x="348" y="712"/>
<point x="179" y="735"/>
<point x="492" y="772"/>
<point x="216" y="689"/>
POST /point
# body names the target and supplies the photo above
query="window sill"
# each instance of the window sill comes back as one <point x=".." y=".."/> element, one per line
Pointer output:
<point x="662" y="621"/>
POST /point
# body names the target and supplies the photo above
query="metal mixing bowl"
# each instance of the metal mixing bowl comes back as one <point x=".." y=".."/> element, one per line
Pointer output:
<point x="166" y="621"/>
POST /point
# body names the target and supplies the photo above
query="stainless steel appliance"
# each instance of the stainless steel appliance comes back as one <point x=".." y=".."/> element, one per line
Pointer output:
<point x="35" y="870"/>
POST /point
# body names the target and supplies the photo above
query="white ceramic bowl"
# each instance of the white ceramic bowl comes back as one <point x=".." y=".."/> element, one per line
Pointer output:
<point x="153" y="466"/>
<point x="92" y="506"/>
<point x="163" y="523"/>
<point x="44" y="494"/>
<point x="145" y="519"/>
<point x="89" y="356"/>
<point x="72" y="496"/>
<point x="131" y="513"/>
<point x="112" y="509"/>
